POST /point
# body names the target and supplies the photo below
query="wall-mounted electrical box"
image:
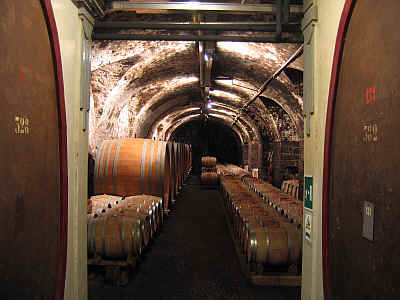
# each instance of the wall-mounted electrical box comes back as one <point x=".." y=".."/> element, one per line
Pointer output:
<point x="368" y="221"/>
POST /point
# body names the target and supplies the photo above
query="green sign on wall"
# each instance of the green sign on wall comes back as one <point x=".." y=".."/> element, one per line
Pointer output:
<point x="308" y="192"/>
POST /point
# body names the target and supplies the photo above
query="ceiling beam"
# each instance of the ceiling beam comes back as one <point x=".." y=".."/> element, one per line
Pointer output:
<point x="190" y="37"/>
<point x="94" y="7"/>
<point x="218" y="26"/>
<point x="261" y="90"/>
<point x="203" y="6"/>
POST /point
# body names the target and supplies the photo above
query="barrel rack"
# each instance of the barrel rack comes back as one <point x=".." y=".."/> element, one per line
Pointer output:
<point x="252" y="273"/>
<point x="116" y="272"/>
<point x="258" y="274"/>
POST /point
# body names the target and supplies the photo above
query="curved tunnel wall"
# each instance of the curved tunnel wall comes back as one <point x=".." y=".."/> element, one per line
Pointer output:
<point x="151" y="89"/>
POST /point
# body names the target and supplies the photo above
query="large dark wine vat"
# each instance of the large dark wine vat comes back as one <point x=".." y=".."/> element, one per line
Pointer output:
<point x="361" y="209"/>
<point x="33" y="172"/>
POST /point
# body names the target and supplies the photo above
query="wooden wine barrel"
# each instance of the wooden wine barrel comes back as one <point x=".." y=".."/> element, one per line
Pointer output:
<point x="361" y="206"/>
<point x="176" y="173"/>
<point x="209" y="178"/>
<point x="133" y="166"/>
<point x="33" y="151"/>
<point x="188" y="160"/>
<point x="275" y="246"/>
<point x="142" y="218"/>
<point x="172" y="180"/>
<point x="114" y="237"/>
<point x="150" y="205"/>
<point x="209" y="162"/>
<point x="180" y="165"/>
<point x="102" y="202"/>
<point x="205" y="170"/>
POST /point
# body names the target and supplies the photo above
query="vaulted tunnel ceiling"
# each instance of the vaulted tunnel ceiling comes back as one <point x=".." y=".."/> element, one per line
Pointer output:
<point x="143" y="88"/>
<point x="150" y="88"/>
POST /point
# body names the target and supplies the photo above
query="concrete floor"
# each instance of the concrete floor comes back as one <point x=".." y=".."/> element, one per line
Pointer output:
<point x="192" y="258"/>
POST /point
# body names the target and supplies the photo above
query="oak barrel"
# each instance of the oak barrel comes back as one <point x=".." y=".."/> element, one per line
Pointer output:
<point x="172" y="163"/>
<point x="102" y="202"/>
<point x="114" y="236"/>
<point x="209" y="178"/>
<point x="133" y="166"/>
<point x="209" y="162"/>
<point x="141" y="217"/>
<point x="150" y="205"/>
<point x="175" y="148"/>
<point x="273" y="245"/>
<point x="33" y="151"/>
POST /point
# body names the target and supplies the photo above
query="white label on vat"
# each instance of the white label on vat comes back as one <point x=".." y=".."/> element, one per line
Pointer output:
<point x="308" y="226"/>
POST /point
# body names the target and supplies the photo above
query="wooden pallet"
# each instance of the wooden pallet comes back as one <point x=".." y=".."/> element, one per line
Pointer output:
<point x="252" y="273"/>
<point x="116" y="272"/>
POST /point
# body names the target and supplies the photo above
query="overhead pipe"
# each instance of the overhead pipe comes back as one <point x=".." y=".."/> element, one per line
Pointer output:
<point x="218" y="26"/>
<point x="275" y="75"/>
<point x="202" y="6"/>
<point x="188" y="37"/>
<point x="99" y="7"/>
<point x="96" y="7"/>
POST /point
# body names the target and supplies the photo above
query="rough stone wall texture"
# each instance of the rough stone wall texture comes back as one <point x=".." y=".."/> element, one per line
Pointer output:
<point x="151" y="89"/>
<point x="132" y="78"/>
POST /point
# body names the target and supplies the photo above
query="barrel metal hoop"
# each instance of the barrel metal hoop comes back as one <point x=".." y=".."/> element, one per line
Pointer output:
<point x="134" y="244"/>
<point x="141" y="236"/>
<point x="158" y="167"/>
<point x="107" y="164"/>
<point x="289" y="241"/>
<point x="98" y="163"/>
<point x="253" y="247"/>
<point x="101" y="168"/>
<point x="90" y="234"/>
<point x="268" y="243"/>
<point x="123" y="234"/>
<point x="115" y="166"/>
<point x="142" y="166"/>
<point x="94" y="242"/>
<point x="104" y="235"/>
<point x="151" y="167"/>
<point x="136" y="239"/>
<point x="162" y="176"/>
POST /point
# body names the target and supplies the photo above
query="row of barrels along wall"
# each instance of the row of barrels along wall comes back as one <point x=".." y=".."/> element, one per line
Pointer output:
<point x="285" y="200"/>
<point x="122" y="227"/>
<point x="127" y="167"/>
<point x="135" y="179"/>
<point x="209" y="170"/>
<point x="266" y="238"/>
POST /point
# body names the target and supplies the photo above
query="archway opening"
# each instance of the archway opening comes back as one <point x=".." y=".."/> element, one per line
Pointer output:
<point x="209" y="138"/>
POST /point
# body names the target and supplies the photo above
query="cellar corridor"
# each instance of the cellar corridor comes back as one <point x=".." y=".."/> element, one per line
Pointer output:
<point x="192" y="258"/>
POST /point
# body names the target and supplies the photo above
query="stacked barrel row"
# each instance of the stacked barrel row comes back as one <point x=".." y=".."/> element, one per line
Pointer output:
<point x="285" y="201"/>
<point x="265" y="238"/>
<point x="122" y="227"/>
<point x="209" y="170"/>
<point x="134" y="182"/>
<point x="291" y="187"/>
<point x="127" y="167"/>
<point x="231" y="170"/>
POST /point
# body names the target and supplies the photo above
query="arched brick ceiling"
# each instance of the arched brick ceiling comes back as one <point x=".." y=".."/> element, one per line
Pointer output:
<point x="247" y="128"/>
<point x="135" y="84"/>
<point x="223" y="121"/>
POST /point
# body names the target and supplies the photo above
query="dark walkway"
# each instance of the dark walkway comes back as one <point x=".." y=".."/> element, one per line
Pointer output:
<point x="192" y="258"/>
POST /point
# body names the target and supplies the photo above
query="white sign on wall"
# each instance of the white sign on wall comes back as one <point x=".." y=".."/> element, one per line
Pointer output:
<point x="308" y="226"/>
